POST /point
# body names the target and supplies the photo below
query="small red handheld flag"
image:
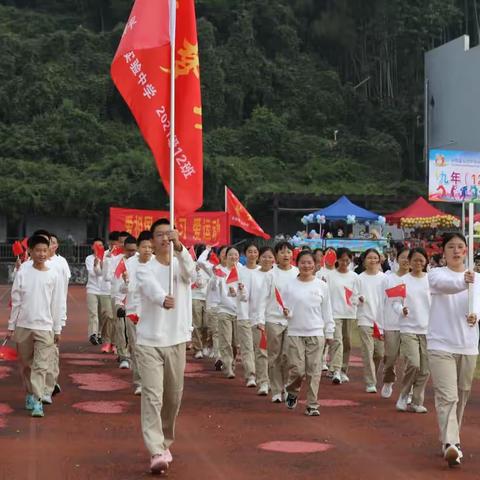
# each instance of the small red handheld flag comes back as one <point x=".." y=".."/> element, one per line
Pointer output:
<point x="17" y="248"/>
<point x="232" y="276"/>
<point x="376" y="331"/>
<point x="192" y="253"/>
<point x="99" y="251"/>
<point x="117" y="250"/>
<point x="7" y="353"/>
<point x="348" y="296"/>
<point x="213" y="259"/>
<point x="219" y="272"/>
<point x="25" y="243"/>
<point x="398" y="291"/>
<point x="263" y="341"/>
<point x="121" y="268"/>
<point x="279" y="298"/>
<point x="330" y="257"/>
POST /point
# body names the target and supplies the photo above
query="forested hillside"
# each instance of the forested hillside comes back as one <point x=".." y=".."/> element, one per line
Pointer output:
<point x="282" y="79"/>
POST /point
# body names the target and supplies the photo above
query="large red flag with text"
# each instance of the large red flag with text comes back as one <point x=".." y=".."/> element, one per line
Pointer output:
<point x="141" y="72"/>
<point x="240" y="217"/>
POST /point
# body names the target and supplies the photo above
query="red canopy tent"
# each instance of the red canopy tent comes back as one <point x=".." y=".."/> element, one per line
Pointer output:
<point x="421" y="214"/>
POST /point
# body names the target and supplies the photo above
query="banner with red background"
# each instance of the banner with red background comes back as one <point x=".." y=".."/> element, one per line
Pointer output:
<point x="209" y="228"/>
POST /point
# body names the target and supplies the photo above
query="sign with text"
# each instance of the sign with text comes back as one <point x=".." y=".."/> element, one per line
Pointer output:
<point x="454" y="176"/>
<point x="209" y="228"/>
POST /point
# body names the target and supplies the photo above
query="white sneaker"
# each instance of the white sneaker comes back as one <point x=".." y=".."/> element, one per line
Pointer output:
<point x="337" y="378"/>
<point x="206" y="352"/>
<point x="251" y="381"/>
<point x="138" y="390"/>
<point x="124" y="364"/>
<point x="409" y="399"/>
<point x="213" y="354"/>
<point x="417" y="408"/>
<point x="401" y="404"/>
<point x="324" y="367"/>
<point x="387" y="390"/>
<point x="278" y="398"/>
<point x="198" y="354"/>
<point x="344" y="377"/>
<point x="263" y="390"/>
<point x="371" y="389"/>
<point x="452" y="455"/>
<point x="47" y="399"/>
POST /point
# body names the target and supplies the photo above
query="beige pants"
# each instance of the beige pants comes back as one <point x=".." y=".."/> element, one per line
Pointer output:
<point x="34" y="350"/>
<point x="414" y="350"/>
<point x="261" y="358"/>
<point x="452" y="377"/>
<point x="53" y="370"/>
<point x="132" y="346"/>
<point x="162" y="370"/>
<point x="336" y="348"/>
<point x="305" y="360"/>
<point x="200" y="325"/>
<point x="347" y="327"/>
<point x="227" y="341"/>
<point x="99" y="316"/>
<point x="372" y="354"/>
<point x="392" y="352"/>
<point x="245" y="342"/>
<point x="277" y="356"/>
<point x="212" y="328"/>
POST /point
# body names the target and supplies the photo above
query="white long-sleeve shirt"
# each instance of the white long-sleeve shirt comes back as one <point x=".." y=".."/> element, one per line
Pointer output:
<point x="418" y="301"/>
<point x="159" y="327"/>
<point x="258" y="296"/>
<point x="448" y="329"/>
<point x="370" y="288"/>
<point x="279" y="279"/>
<point x="391" y="316"/>
<point x="199" y="285"/>
<point x="228" y="303"/>
<point x="37" y="301"/>
<point x="337" y="282"/>
<point x="96" y="284"/>
<point x="310" y="310"/>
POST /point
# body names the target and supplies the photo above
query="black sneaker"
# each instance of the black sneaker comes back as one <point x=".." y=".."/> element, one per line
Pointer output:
<point x="218" y="365"/>
<point x="56" y="390"/>
<point x="93" y="339"/>
<point x="99" y="339"/>
<point x="291" y="401"/>
<point x="312" y="412"/>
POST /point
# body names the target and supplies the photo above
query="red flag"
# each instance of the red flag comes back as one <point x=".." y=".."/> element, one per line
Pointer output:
<point x="98" y="250"/>
<point x="376" y="331"/>
<point x="213" y="259"/>
<point x="219" y="272"/>
<point x="141" y="73"/>
<point x="239" y="216"/>
<point x="192" y="253"/>
<point x="398" y="291"/>
<point x="25" y="243"/>
<point x="348" y="296"/>
<point x="17" y="248"/>
<point x="330" y="257"/>
<point x="232" y="276"/>
<point x="279" y="298"/>
<point x="7" y="353"/>
<point x="117" y="250"/>
<point x="296" y="252"/>
<point x="121" y="268"/>
<point x="263" y="341"/>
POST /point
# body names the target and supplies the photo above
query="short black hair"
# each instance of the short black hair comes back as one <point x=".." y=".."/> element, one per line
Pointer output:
<point x="129" y="240"/>
<point x="53" y="235"/>
<point x="41" y="232"/>
<point x="344" y="251"/>
<point x="283" y="244"/>
<point x="123" y="234"/>
<point x="450" y="236"/>
<point x="421" y="251"/>
<point x="36" y="240"/>
<point x="318" y="250"/>
<point x="157" y="223"/>
<point x="145" y="235"/>
<point x="266" y="249"/>
<point x="113" y="236"/>
<point x="250" y="244"/>
<point x="304" y="253"/>
<point x="231" y="247"/>
<point x="97" y="239"/>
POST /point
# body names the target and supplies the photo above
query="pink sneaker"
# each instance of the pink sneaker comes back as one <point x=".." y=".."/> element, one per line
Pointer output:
<point x="106" y="348"/>
<point x="158" y="464"/>
<point x="168" y="456"/>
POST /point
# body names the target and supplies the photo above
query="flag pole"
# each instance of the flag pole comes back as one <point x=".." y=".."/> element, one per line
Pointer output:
<point x="173" y="19"/>
<point x="471" y="240"/>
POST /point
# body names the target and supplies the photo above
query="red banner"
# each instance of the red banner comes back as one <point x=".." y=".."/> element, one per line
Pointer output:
<point x="199" y="227"/>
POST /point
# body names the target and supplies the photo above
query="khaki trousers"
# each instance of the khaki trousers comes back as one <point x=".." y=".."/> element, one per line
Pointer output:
<point x="120" y="335"/>
<point x="414" y="350"/>
<point x="227" y="341"/>
<point x="162" y="370"/>
<point x="132" y="346"/>
<point x="261" y="357"/>
<point x="305" y="360"/>
<point x="53" y="370"/>
<point x="200" y="325"/>
<point x="212" y="329"/>
<point x="347" y="328"/>
<point x="392" y="352"/>
<point x="277" y="345"/>
<point x="99" y="316"/>
<point x="452" y="377"/>
<point x="372" y="354"/>
<point x="34" y="350"/>
<point x="336" y="348"/>
<point x="245" y="342"/>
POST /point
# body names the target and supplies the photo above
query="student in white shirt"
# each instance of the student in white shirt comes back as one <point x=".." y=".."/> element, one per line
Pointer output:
<point x="276" y="323"/>
<point x="164" y="328"/>
<point x="341" y="283"/>
<point x="369" y="294"/>
<point x="414" y="314"/>
<point x="310" y="324"/>
<point x="391" y="323"/>
<point x="36" y="320"/>
<point x="452" y="341"/>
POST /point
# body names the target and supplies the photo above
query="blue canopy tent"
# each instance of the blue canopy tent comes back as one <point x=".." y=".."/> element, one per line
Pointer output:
<point x="344" y="208"/>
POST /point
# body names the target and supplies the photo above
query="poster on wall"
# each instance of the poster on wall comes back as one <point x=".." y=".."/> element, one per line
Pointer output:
<point x="454" y="176"/>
